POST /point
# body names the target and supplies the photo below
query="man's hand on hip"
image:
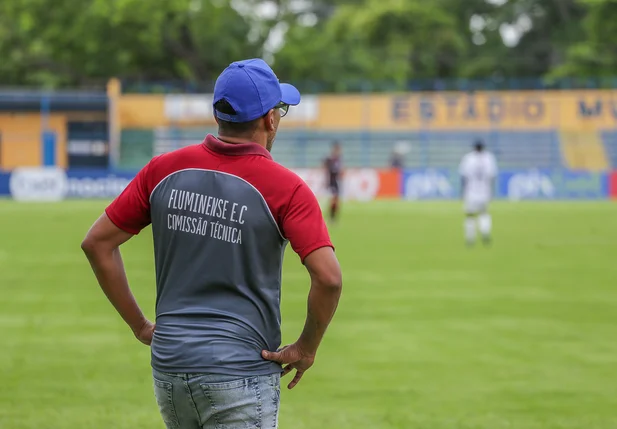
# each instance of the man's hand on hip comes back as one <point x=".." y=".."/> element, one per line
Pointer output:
<point x="326" y="284"/>
<point x="294" y="358"/>
<point x="145" y="333"/>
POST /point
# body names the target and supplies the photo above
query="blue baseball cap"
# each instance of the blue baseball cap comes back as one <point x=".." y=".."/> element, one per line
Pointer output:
<point x="252" y="89"/>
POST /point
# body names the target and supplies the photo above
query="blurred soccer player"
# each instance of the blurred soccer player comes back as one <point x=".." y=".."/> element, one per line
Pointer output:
<point x="333" y="166"/>
<point x="478" y="170"/>
<point x="222" y="213"/>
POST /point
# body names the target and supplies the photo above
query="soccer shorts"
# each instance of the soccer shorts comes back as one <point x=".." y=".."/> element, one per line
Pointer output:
<point x="476" y="206"/>
<point x="334" y="188"/>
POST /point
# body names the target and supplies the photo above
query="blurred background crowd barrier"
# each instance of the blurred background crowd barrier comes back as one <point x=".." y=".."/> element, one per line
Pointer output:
<point x="550" y="143"/>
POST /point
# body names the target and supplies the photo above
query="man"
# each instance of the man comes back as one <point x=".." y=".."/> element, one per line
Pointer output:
<point x="396" y="162"/>
<point x="478" y="170"/>
<point x="333" y="167"/>
<point x="400" y="149"/>
<point x="222" y="213"/>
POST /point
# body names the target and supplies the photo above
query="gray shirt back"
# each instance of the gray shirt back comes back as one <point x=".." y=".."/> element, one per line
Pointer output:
<point x="221" y="217"/>
<point x="218" y="257"/>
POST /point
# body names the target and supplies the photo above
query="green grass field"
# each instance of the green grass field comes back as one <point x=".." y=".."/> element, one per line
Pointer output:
<point x="429" y="334"/>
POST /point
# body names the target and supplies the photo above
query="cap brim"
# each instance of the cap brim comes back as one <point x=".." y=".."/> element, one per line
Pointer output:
<point x="290" y="95"/>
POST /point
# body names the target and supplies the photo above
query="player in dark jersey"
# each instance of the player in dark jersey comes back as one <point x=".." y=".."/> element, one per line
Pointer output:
<point x="333" y="166"/>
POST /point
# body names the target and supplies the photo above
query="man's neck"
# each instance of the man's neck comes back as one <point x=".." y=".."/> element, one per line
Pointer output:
<point x="238" y="140"/>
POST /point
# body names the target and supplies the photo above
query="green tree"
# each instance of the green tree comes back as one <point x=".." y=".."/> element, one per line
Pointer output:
<point x="541" y="32"/>
<point x="77" y="42"/>
<point x="595" y="54"/>
<point x="332" y="45"/>
<point x="377" y="41"/>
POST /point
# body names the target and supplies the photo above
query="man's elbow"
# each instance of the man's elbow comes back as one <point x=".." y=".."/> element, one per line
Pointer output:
<point x="331" y="280"/>
<point x="324" y="270"/>
<point x="89" y="246"/>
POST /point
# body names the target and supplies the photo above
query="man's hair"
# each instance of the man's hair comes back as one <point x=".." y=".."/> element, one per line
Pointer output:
<point x="478" y="145"/>
<point x="230" y="129"/>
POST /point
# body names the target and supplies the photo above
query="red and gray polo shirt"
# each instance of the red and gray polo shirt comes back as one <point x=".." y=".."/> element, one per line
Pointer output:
<point x="221" y="217"/>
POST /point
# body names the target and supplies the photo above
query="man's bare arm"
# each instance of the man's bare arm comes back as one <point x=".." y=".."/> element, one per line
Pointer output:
<point x="326" y="287"/>
<point x="101" y="246"/>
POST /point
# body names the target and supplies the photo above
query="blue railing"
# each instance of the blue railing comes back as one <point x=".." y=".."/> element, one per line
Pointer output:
<point x="45" y="101"/>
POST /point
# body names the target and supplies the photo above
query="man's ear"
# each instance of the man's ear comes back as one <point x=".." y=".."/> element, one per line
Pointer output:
<point x="216" y="119"/>
<point x="270" y="122"/>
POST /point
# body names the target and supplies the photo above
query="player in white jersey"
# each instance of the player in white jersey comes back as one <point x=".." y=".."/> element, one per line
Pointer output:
<point x="478" y="170"/>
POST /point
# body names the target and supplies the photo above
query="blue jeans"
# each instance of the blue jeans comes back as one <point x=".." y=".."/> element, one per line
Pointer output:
<point x="211" y="401"/>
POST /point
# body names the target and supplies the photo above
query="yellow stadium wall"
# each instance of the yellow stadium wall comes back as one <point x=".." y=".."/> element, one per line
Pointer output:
<point x="21" y="139"/>
<point x="587" y="110"/>
<point x="142" y="111"/>
<point x="571" y="110"/>
<point x="532" y="110"/>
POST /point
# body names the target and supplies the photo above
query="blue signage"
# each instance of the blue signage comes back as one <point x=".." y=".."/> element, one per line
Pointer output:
<point x="417" y="184"/>
<point x="96" y="183"/>
<point x="552" y="184"/>
<point x="430" y="184"/>
<point x="4" y="184"/>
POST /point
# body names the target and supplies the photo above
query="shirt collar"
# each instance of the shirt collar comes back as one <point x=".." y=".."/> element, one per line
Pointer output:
<point x="235" y="149"/>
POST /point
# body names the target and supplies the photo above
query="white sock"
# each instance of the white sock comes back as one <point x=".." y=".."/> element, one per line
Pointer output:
<point x="485" y="224"/>
<point x="470" y="229"/>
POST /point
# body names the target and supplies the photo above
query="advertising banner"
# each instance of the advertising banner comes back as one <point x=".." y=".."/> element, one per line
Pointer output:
<point x="96" y="184"/>
<point x="44" y="185"/>
<point x="4" y="184"/>
<point x="552" y="184"/>
<point x="613" y="185"/>
<point x="55" y="184"/>
<point x="38" y="184"/>
<point x="430" y="184"/>
<point x="358" y="184"/>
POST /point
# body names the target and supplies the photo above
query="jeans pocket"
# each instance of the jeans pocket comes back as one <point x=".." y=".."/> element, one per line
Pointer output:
<point x="274" y="382"/>
<point x="236" y="404"/>
<point x="163" y="391"/>
<point x="271" y="408"/>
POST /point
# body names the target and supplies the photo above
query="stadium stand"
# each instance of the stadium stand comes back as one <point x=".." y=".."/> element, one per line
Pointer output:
<point x="610" y="144"/>
<point x="305" y="148"/>
<point x="515" y="149"/>
<point x="583" y="150"/>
